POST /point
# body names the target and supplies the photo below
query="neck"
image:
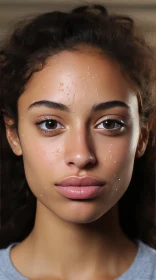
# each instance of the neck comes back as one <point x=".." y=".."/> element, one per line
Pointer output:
<point x="70" y="249"/>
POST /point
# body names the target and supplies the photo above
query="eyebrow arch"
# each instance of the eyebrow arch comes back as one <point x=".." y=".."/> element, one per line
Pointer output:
<point x="65" y="108"/>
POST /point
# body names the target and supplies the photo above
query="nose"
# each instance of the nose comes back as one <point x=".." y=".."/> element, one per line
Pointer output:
<point x="79" y="150"/>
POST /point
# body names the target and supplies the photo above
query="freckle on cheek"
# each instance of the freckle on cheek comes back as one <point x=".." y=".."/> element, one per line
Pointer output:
<point x="56" y="152"/>
<point x="42" y="194"/>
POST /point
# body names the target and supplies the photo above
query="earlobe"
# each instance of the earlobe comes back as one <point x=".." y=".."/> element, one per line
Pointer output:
<point x="12" y="136"/>
<point x="142" y="143"/>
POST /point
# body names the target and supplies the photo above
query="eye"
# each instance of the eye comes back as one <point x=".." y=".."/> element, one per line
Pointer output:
<point x="49" y="125"/>
<point x="111" y="124"/>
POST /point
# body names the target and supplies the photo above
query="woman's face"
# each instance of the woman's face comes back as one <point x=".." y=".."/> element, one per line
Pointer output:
<point x="80" y="141"/>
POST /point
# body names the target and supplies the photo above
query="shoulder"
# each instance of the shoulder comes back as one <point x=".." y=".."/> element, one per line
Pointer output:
<point x="147" y="257"/>
<point x="151" y="255"/>
<point x="144" y="264"/>
<point x="4" y="253"/>
<point x="7" y="270"/>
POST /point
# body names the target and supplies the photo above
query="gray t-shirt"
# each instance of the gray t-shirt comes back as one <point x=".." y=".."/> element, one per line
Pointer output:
<point x="142" y="268"/>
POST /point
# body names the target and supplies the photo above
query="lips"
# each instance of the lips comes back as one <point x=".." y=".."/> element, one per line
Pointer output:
<point x="80" y="188"/>
<point x="80" y="181"/>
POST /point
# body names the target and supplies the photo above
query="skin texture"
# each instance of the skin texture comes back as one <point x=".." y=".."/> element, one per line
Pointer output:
<point x="77" y="239"/>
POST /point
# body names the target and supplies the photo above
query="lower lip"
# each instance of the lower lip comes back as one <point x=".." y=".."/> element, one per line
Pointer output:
<point x="80" y="192"/>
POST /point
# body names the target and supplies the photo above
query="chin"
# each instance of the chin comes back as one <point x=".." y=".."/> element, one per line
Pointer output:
<point x="82" y="213"/>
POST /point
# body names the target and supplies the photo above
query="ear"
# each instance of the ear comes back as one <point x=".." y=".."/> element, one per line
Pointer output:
<point x="143" y="141"/>
<point x="12" y="136"/>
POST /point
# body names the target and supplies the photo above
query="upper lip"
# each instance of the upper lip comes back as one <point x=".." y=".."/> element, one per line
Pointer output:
<point x="80" y="181"/>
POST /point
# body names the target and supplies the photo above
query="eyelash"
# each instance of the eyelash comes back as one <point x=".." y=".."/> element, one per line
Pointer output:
<point x="45" y="121"/>
<point x="119" y="122"/>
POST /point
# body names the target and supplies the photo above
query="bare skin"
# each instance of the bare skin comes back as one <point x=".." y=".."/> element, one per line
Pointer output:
<point x="77" y="239"/>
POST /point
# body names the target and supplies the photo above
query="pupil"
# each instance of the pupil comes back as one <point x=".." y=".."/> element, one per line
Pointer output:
<point x="51" y="124"/>
<point x="109" y="123"/>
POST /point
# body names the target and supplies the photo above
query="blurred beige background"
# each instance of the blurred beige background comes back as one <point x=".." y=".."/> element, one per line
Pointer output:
<point x="143" y="11"/>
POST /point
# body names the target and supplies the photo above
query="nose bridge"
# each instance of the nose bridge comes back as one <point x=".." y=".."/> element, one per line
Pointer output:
<point x="79" y="148"/>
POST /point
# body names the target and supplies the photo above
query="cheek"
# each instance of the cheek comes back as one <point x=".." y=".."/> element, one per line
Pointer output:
<point x="41" y="160"/>
<point x="118" y="154"/>
<point x="117" y="150"/>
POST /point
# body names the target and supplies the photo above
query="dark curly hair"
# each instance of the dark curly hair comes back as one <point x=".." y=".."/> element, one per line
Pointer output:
<point x="26" y="52"/>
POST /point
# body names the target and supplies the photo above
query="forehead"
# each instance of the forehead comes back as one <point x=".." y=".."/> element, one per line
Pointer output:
<point x="87" y="76"/>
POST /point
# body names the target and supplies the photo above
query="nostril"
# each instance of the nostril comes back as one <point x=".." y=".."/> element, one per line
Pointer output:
<point x="70" y="163"/>
<point x="81" y="162"/>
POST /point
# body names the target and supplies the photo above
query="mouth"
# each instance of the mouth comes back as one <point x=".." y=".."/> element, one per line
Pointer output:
<point x="80" y="187"/>
<point x="80" y="181"/>
<point x="80" y="192"/>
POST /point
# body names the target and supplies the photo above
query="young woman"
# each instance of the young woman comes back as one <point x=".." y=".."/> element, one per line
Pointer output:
<point x="77" y="99"/>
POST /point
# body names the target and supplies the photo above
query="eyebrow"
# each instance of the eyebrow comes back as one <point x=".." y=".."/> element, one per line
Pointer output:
<point x="65" y="108"/>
